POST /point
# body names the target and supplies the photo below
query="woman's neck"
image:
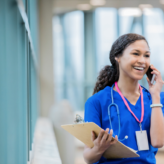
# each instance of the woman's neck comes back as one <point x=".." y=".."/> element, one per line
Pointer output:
<point x="128" y="85"/>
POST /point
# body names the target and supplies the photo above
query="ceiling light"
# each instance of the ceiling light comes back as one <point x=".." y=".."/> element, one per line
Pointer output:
<point x="97" y="2"/>
<point x="142" y="6"/>
<point x="162" y="2"/>
<point x="84" y="6"/>
<point x="136" y="12"/>
<point x="148" y="11"/>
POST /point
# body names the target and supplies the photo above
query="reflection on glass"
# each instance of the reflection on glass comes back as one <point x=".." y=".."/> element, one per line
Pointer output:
<point x="106" y="33"/>
<point x="154" y="33"/>
<point x="130" y="20"/>
<point x="58" y="58"/>
<point x="68" y="58"/>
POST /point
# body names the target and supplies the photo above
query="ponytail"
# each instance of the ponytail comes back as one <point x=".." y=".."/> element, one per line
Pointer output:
<point x="108" y="75"/>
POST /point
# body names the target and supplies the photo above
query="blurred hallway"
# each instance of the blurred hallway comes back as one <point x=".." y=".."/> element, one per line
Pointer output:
<point x="51" y="52"/>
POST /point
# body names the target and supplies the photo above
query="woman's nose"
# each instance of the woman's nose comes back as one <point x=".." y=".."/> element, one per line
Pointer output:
<point x="142" y="59"/>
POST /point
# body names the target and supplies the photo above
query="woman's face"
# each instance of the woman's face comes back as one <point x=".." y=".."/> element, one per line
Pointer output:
<point x="135" y="60"/>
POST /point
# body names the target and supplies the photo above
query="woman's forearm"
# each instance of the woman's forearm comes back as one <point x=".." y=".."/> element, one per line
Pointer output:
<point x="91" y="155"/>
<point x="157" y="124"/>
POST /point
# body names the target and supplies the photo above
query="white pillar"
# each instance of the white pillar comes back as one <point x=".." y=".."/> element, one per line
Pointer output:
<point x="61" y="114"/>
<point x="46" y="56"/>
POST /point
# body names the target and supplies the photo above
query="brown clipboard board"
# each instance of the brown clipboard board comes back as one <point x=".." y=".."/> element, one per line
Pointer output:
<point x="83" y="131"/>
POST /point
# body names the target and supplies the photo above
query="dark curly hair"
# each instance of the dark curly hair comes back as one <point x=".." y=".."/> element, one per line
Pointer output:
<point x="110" y="74"/>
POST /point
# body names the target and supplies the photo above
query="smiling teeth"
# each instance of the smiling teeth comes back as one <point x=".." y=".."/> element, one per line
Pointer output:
<point x="140" y="68"/>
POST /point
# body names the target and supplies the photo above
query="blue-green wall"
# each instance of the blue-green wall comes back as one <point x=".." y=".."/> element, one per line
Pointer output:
<point x="18" y="82"/>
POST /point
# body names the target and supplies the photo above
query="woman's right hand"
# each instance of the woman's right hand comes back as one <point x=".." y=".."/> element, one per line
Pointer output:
<point x="103" y="141"/>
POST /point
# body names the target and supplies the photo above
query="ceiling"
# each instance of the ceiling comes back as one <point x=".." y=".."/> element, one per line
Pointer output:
<point x="62" y="6"/>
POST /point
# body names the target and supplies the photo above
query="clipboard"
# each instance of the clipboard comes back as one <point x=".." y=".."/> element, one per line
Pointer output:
<point x="82" y="131"/>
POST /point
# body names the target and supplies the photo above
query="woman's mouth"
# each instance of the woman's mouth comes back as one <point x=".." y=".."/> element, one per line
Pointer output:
<point x="139" y="68"/>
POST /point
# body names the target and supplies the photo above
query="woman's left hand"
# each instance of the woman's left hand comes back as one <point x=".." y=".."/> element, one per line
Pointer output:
<point x="157" y="87"/>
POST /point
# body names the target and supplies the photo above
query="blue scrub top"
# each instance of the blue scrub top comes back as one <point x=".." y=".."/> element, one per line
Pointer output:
<point x="96" y="110"/>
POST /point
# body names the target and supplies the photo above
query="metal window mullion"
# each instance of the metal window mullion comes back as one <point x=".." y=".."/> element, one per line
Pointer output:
<point x="66" y="65"/>
<point x="142" y="24"/>
<point x="90" y="52"/>
<point x="133" y="24"/>
<point x="23" y="13"/>
<point x="23" y="67"/>
<point x="26" y="7"/>
<point x="28" y="98"/>
<point x="118" y="23"/>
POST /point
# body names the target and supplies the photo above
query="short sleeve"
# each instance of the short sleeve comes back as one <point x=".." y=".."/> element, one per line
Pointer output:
<point x="162" y="101"/>
<point x="92" y="112"/>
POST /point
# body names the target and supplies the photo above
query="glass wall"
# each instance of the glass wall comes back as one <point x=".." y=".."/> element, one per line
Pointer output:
<point x="18" y="84"/>
<point x="154" y="32"/>
<point x="106" y="32"/>
<point x="69" y="58"/>
<point x="107" y="24"/>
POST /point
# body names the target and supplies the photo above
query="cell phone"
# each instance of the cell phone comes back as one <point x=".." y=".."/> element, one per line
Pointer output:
<point x="150" y="76"/>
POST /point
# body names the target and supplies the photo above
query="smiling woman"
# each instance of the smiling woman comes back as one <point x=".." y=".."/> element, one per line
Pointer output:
<point x="139" y="112"/>
<point x="135" y="60"/>
<point x="124" y="45"/>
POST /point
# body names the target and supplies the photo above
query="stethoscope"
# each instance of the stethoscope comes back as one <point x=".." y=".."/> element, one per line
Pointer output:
<point x="116" y="106"/>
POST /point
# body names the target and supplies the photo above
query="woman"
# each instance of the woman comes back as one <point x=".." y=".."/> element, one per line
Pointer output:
<point x="130" y="59"/>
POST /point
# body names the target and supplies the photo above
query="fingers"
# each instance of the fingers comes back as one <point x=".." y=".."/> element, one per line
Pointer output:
<point x="114" y="141"/>
<point x="93" y="136"/>
<point x="116" y="137"/>
<point x="104" y="138"/>
<point x="110" y="136"/>
<point x="101" y="135"/>
<point x="158" y="76"/>
<point x="104" y="135"/>
<point x="155" y="72"/>
<point x="153" y="68"/>
<point x="149" y="82"/>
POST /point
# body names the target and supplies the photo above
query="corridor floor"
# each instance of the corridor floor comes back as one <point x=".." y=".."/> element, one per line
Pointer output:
<point x="79" y="157"/>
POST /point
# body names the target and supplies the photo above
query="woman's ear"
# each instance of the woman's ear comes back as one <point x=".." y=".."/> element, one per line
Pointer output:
<point x="117" y="59"/>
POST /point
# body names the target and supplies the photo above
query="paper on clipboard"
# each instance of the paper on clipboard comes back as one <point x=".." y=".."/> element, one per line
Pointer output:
<point x="83" y="131"/>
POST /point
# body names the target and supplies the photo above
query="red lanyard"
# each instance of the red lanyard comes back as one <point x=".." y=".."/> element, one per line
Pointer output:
<point x="142" y="105"/>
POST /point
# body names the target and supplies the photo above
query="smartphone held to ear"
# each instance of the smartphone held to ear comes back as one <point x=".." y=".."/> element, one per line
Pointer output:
<point x="150" y="76"/>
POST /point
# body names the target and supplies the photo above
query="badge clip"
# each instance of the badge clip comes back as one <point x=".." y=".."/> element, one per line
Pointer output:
<point x="140" y="127"/>
<point x="78" y="119"/>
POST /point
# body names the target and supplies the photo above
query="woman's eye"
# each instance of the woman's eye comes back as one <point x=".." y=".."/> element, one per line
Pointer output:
<point x="135" y="53"/>
<point x="147" y="56"/>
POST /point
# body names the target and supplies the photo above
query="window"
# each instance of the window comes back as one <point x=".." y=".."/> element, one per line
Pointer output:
<point x="69" y="58"/>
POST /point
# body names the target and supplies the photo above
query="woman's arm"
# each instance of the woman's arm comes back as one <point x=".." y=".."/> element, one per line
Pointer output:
<point x="157" y="124"/>
<point x="101" y="143"/>
<point x="157" y="119"/>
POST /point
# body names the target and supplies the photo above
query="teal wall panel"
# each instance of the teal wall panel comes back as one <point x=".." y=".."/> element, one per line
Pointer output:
<point x="12" y="82"/>
<point x="22" y="64"/>
<point x="3" y="96"/>
<point x="18" y="84"/>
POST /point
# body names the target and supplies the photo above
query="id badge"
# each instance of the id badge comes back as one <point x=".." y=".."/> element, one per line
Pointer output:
<point x="142" y="140"/>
